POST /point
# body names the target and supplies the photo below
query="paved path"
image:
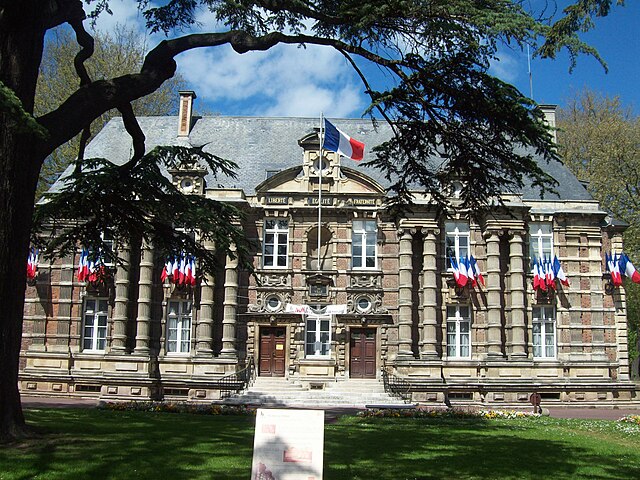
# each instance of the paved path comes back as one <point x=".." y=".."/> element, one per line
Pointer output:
<point x="569" y="412"/>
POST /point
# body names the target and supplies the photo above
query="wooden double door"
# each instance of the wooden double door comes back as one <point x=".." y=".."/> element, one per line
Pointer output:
<point x="271" y="358"/>
<point x="362" y="353"/>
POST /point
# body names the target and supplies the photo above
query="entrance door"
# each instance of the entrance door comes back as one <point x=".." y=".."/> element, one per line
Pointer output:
<point x="363" y="353"/>
<point x="272" y="348"/>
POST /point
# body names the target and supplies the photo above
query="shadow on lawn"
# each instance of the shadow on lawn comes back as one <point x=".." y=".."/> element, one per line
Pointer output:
<point x="459" y="449"/>
<point x="97" y="444"/>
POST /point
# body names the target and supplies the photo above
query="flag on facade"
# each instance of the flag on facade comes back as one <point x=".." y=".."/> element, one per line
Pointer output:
<point x="471" y="274"/>
<point x="550" y="277"/>
<point x="627" y="268"/>
<point x="83" y="265"/>
<point x="180" y="269"/>
<point x="559" y="273"/>
<point x="463" y="274"/>
<point x="613" y="266"/>
<point x="337" y="141"/>
<point x="540" y="273"/>
<point x="454" y="269"/>
<point x="32" y="263"/>
<point x="476" y="271"/>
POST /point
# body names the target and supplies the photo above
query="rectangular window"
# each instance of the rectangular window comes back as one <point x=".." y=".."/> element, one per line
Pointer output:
<point x="544" y="332"/>
<point x="94" y="330"/>
<point x="109" y="241"/>
<point x="456" y="241"/>
<point x="318" y="336"/>
<point x="364" y="240"/>
<point x="458" y="331"/>
<point x="275" y="245"/>
<point x="540" y="240"/>
<point x="179" y="326"/>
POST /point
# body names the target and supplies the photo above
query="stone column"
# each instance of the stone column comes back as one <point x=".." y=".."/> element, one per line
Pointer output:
<point x="230" y="308"/>
<point x="145" y="286"/>
<point x="404" y="293"/>
<point x="494" y="329"/>
<point x="518" y="292"/>
<point x="119" y="336"/>
<point x="204" y="337"/>
<point x="429" y="296"/>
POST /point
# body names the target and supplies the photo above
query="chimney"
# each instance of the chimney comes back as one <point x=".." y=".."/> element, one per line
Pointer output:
<point x="550" y="117"/>
<point x="185" y="111"/>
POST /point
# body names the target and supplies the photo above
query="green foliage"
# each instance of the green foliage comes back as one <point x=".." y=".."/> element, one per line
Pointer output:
<point x="137" y="200"/>
<point x="12" y="107"/>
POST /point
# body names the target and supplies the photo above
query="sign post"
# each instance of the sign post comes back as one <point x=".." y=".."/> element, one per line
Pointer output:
<point x="288" y="445"/>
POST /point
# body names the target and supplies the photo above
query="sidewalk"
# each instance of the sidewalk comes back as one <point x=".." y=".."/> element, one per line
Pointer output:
<point x="556" y="412"/>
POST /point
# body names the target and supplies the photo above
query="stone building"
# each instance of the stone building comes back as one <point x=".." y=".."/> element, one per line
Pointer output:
<point x="341" y="292"/>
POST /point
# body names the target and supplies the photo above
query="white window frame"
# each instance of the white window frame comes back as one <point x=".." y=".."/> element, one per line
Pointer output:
<point x="279" y="234"/>
<point x="461" y="330"/>
<point x="94" y="336"/>
<point x="540" y="240"/>
<point x="366" y="241"/>
<point x="109" y="240"/>
<point x="314" y="336"/>
<point x="543" y="333"/>
<point x="179" y="325"/>
<point x="456" y="234"/>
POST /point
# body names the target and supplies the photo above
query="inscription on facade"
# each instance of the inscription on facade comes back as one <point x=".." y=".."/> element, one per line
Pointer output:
<point x="325" y="201"/>
<point x="364" y="202"/>
<point x="277" y="200"/>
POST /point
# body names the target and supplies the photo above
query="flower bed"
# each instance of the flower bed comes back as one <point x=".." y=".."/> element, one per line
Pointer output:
<point x="444" y="413"/>
<point x="178" y="407"/>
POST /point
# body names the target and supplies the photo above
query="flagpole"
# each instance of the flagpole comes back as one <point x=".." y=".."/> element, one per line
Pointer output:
<point x="320" y="162"/>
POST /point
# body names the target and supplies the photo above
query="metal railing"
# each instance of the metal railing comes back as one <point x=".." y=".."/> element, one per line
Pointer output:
<point x="238" y="381"/>
<point x="396" y="386"/>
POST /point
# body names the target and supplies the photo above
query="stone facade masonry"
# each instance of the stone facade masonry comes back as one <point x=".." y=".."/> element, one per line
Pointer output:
<point x="400" y="308"/>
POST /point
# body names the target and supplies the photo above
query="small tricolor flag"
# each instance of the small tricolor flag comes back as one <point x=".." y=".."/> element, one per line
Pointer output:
<point x="32" y="263"/>
<point x="625" y="267"/>
<point x="337" y="141"/>
<point x="180" y="270"/>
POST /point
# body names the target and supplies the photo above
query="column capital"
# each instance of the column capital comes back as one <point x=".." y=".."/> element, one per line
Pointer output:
<point x="492" y="234"/>
<point x="406" y="231"/>
<point x="516" y="234"/>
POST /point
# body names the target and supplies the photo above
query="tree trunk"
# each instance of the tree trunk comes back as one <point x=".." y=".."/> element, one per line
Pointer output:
<point x="21" y="43"/>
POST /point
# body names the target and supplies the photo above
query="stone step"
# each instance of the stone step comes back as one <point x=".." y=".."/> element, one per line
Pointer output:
<point x="275" y="391"/>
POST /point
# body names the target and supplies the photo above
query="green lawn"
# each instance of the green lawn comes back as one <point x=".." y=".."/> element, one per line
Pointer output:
<point x="97" y="444"/>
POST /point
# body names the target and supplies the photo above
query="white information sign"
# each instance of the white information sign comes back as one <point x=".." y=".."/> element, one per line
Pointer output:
<point x="288" y="445"/>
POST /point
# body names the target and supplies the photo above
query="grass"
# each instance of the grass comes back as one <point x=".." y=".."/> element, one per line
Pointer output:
<point x="99" y="444"/>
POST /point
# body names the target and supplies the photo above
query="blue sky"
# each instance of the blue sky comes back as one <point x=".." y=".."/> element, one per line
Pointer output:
<point x="290" y="81"/>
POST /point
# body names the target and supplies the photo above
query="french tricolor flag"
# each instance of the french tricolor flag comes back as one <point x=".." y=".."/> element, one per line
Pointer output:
<point x="337" y="141"/>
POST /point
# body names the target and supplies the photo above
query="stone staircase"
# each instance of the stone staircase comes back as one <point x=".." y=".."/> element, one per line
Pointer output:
<point x="351" y="393"/>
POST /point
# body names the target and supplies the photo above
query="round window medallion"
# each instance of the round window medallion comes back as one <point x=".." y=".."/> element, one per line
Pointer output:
<point x="364" y="304"/>
<point x="321" y="164"/>
<point x="273" y="303"/>
<point x="187" y="185"/>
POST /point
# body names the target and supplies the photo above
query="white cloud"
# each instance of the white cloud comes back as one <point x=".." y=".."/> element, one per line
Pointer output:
<point x="125" y="12"/>
<point x="285" y="80"/>
<point x="509" y="66"/>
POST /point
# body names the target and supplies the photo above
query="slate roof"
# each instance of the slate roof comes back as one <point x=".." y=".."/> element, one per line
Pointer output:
<point x="258" y="144"/>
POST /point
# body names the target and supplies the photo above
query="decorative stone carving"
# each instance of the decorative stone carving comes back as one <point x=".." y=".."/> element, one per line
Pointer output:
<point x="270" y="302"/>
<point x="375" y="303"/>
<point x="365" y="281"/>
<point x="274" y="280"/>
